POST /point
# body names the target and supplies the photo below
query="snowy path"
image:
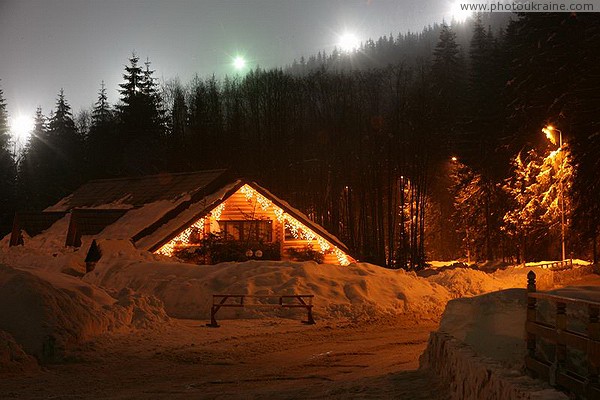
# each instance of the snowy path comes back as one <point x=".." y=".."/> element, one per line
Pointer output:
<point x="260" y="358"/>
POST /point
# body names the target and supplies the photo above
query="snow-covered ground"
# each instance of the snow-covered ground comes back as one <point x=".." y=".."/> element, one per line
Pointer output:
<point x="50" y="308"/>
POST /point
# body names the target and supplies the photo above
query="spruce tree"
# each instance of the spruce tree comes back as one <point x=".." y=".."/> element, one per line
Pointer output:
<point x="537" y="189"/>
<point x="102" y="157"/>
<point x="7" y="170"/>
<point x="35" y="163"/>
<point x="448" y="88"/>
<point x="67" y="146"/>
<point x="141" y="121"/>
<point x="53" y="159"/>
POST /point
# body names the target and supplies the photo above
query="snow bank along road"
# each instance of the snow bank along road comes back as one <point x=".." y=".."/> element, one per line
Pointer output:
<point x="253" y="358"/>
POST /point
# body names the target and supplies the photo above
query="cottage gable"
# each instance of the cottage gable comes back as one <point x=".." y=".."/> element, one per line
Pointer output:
<point x="168" y="213"/>
<point x="250" y="214"/>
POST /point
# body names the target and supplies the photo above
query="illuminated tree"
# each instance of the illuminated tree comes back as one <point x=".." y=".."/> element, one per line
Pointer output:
<point x="476" y="201"/>
<point x="538" y="188"/>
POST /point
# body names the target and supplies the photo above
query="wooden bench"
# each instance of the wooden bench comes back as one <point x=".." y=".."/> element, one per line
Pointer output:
<point x="283" y="301"/>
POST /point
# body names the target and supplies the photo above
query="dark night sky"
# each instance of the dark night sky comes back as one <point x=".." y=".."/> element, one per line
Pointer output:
<point x="75" y="44"/>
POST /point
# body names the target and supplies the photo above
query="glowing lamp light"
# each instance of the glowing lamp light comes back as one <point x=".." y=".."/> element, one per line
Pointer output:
<point x="455" y="159"/>
<point x="21" y="126"/>
<point x="348" y="42"/>
<point x="239" y="63"/>
<point x="549" y="131"/>
<point x="296" y="228"/>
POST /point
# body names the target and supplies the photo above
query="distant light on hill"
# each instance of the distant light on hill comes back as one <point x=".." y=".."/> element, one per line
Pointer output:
<point x="348" y="42"/>
<point x="239" y="63"/>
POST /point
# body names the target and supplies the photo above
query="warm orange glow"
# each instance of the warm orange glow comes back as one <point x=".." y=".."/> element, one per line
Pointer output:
<point x="454" y="159"/>
<point x="298" y="230"/>
<point x="549" y="131"/>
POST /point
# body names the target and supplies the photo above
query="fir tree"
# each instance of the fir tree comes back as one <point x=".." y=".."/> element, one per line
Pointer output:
<point x="67" y="149"/>
<point x="35" y="163"/>
<point x="141" y="121"/>
<point x="103" y="159"/>
<point x="178" y="123"/>
<point x="539" y="190"/>
<point x="53" y="158"/>
<point x="101" y="113"/>
<point x="474" y="200"/>
<point x="7" y="170"/>
<point x="448" y="90"/>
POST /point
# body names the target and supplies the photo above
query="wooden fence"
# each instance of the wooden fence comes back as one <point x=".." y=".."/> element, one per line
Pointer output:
<point x="557" y="373"/>
<point x="557" y="265"/>
<point x="283" y="301"/>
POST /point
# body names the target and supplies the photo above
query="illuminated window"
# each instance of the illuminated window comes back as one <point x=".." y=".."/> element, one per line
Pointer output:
<point x="247" y="230"/>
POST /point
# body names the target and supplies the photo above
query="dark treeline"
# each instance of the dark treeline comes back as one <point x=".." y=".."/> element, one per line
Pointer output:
<point x="405" y="158"/>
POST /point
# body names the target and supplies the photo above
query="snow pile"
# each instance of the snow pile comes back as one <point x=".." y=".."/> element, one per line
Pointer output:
<point x="53" y="238"/>
<point x="12" y="357"/>
<point x="63" y="260"/>
<point x="492" y="324"/>
<point x="461" y="282"/>
<point x="472" y="377"/>
<point x="357" y="291"/>
<point x="47" y="317"/>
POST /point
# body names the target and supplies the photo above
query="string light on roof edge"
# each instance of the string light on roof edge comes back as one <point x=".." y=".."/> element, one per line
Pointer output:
<point x="184" y="237"/>
<point x="297" y="229"/>
<point x="216" y="213"/>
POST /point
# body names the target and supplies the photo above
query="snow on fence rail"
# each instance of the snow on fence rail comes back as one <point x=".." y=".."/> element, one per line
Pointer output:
<point x="284" y="301"/>
<point x="557" y="265"/>
<point x="558" y="373"/>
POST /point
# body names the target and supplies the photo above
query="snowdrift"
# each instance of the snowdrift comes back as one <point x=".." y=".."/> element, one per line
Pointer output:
<point x="13" y="358"/>
<point x="357" y="291"/>
<point x="493" y="324"/>
<point x="46" y="317"/>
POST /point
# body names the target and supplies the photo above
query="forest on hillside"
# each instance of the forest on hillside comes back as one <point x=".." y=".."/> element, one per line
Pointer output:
<point x="411" y="148"/>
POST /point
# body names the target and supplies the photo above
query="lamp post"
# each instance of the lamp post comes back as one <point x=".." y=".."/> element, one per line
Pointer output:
<point x="548" y="130"/>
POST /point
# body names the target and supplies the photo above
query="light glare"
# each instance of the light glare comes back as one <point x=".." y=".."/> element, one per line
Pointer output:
<point x="548" y="130"/>
<point x="239" y="63"/>
<point x="348" y="42"/>
<point x="457" y="13"/>
<point x="20" y="127"/>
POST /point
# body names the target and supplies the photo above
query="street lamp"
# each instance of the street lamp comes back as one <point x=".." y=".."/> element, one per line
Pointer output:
<point x="549" y="131"/>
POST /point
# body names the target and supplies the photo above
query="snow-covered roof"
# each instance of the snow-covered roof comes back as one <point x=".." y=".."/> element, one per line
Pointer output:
<point x="139" y="191"/>
<point x="172" y="227"/>
<point x="152" y="210"/>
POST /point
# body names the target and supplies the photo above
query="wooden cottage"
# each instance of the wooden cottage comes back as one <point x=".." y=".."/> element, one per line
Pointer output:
<point x="193" y="214"/>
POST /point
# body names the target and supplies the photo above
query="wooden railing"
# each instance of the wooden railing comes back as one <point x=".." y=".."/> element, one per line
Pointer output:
<point x="283" y="301"/>
<point x="557" y="265"/>
<point x="557" y="372"/>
